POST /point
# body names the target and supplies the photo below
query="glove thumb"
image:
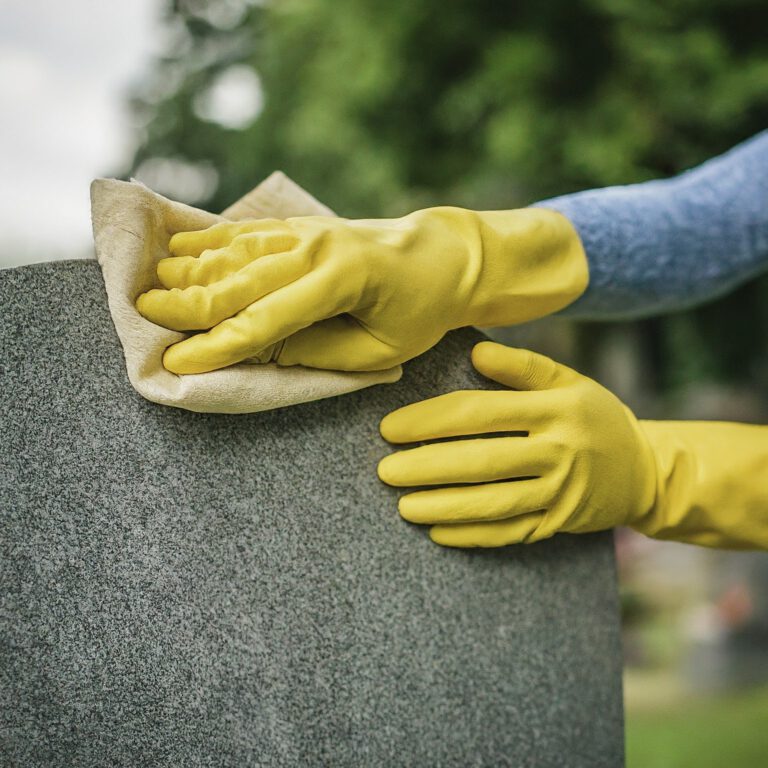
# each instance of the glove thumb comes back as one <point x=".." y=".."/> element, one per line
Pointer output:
<point x="516" y="368"/>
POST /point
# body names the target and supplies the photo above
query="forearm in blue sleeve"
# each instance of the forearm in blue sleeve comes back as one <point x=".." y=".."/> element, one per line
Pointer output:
<point x="666" y="245"/>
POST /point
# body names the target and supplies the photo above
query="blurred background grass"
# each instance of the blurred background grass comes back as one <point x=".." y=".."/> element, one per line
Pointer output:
<point x="726" y="731"/>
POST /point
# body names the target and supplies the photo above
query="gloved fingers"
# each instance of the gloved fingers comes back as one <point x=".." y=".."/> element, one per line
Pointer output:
<point x="517" y="368"/>
<point x="492" y="501"/>
<point x="209" y="267"/>
<point x="340" y="344"/>
<point x="212" y="266"/>
<point x="466" y="412"/>
<point x="468" y="461"/>
<point x="497" y="533"/>
<point x="221" y="235"/>
<point x="271" y="319"/>
<point x="200" y="307"/>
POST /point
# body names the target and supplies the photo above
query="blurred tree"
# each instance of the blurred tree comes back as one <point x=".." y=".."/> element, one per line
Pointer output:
<point x="380" y="108"/>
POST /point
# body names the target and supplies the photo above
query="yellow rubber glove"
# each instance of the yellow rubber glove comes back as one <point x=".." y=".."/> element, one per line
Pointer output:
<point x="579" y="461"/>
<point x="358" y="294"/>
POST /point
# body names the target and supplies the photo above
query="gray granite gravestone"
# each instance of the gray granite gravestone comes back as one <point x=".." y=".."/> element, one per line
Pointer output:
<point x="184" y="589"/>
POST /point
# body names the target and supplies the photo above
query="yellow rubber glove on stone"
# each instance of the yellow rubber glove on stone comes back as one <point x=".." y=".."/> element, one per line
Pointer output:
<point x="579" y="461"/>
<point x="358" y="294"/>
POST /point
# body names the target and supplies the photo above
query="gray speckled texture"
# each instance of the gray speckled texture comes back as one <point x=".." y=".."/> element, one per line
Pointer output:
<point x="183" y="589"/>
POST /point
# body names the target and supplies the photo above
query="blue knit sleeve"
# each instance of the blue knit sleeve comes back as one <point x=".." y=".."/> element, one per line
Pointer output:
<point x="665" y="245"/>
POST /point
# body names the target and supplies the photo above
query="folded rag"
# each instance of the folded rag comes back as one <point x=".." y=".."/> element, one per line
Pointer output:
<point x="131" y="227"/>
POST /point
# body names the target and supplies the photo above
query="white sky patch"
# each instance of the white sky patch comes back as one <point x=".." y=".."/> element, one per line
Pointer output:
<point x="65" y="70"/>
<point x="178" y="179"/>
<point x="234" y="99"/>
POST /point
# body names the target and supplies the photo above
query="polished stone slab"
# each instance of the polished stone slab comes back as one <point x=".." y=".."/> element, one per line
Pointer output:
<point x="184" y="589"/>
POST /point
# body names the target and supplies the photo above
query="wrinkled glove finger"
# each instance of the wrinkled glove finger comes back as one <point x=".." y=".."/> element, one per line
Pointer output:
<point x="468" y="461"/>
<point x="200" y="307"/>
<point x="265" y="322"/>
<point x="212" y="266"/>
<point x="220" y="235"/>
<point x="466" y="412"/>
<point x="494" y="501"/>
<point x="498" y="533"/>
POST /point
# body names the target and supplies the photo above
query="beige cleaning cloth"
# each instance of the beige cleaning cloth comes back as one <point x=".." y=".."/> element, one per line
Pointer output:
<point x="131" y="227"/>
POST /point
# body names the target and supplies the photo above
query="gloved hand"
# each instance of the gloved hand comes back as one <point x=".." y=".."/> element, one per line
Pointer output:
<point x="584" y="463"/>
<point x="358" y="295"/>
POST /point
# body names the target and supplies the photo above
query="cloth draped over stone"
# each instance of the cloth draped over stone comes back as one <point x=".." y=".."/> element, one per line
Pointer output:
<point x="131" y="227"/>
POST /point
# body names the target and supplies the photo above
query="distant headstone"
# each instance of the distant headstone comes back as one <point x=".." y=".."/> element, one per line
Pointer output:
<point x="185" y="589"/>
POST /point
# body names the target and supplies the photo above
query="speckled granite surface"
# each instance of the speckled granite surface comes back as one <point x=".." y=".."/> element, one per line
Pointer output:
<point x="183" y="589"/>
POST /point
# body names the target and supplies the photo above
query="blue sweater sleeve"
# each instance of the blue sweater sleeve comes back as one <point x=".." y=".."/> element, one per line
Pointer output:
<point x="666" y="245"/>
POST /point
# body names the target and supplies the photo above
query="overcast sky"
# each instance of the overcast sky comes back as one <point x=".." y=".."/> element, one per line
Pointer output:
<point x="65" y="68"/>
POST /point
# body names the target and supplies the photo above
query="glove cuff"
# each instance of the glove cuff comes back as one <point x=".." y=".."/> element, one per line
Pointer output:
<point x="529" y="263"/>
<point x="710" y="486"/>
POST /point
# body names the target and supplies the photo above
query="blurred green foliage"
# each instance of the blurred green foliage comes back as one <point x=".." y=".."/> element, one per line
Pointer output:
<point x="380" y="108"/>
